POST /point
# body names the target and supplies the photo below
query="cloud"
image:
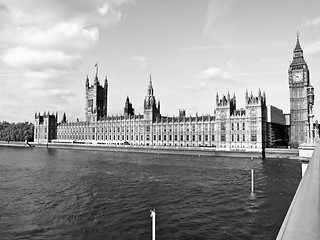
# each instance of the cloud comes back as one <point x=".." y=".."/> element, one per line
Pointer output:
<point x="251" y="46"/>
<point x="313" y="48"/>
<point x="214" y="73"/>
<point x="274" y="62"/>
<point x="312" y="22"/>
<point x="57" y="93"/>
<point x="43" y="43"/>
<point x="216" y="9"/>
<point x="211" y="78"/>
<point x="140" y="61"/>
<point x="35" y="60"/>
<point x="230" y="64"/>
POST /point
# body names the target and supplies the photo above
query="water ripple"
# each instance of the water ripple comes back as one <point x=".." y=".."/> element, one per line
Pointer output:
<point x="66" y="194"/>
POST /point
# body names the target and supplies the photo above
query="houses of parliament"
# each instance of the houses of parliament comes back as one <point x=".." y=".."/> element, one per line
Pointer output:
<point x="254" y="127"/>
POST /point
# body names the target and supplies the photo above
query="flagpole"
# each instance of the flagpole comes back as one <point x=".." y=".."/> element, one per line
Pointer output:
<point x="96" y="69"/>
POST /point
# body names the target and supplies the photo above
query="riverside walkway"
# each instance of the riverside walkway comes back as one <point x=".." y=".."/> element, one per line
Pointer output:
<point x="303" y="217"/>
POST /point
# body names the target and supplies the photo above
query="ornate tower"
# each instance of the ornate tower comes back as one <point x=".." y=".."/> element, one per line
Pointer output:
<point x="96" y="100"/>
<point x="256" y="119"/>
<point x="128" y="109"/>
<point x="299" y="82"/>
<point x="225" y="106"/>
<point x="151" y="110"/>
<point x="45" y="127"/>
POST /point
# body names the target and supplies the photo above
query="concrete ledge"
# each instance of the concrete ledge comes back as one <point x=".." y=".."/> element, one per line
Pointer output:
<point x="306" y="150"/>
<point x="282" y="153"/>
<point x="14" y="144"/>
<point x="303" y="217"/>
<point x="197" y="151"/>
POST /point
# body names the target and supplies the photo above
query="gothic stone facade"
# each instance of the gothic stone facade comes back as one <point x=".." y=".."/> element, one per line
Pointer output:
<point x="228" y="128"/>
<point x="45" y="127"/>
<point x="96" y="100"/>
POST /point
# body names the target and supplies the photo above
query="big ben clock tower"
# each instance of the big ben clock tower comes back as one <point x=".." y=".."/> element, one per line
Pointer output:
<point x="299" y="85"/>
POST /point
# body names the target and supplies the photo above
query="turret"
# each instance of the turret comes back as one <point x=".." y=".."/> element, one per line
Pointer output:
<point x="106" y="81"/>
<point x="64" y="118"/>
<point x="87" y="82"/>
<point x="128" y="109"/>
<point x="259" y="100"/>
<point x="217" y="99"/>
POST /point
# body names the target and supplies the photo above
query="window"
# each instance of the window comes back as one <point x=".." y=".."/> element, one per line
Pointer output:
<point x="212" y="137"/>
<point x="223" y="137"/>
<point x="223" y="126"/>
<point x="181" y="137"/>
<point x="253" y="137"/>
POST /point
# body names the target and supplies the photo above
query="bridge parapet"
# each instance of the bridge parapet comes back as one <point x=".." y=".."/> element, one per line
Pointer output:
<point x="303" y="217"/>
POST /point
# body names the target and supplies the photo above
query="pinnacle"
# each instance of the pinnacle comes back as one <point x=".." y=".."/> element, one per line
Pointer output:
<point x="298" y="47"/>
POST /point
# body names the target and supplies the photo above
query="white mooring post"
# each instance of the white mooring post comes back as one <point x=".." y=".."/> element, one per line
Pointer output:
<point x="251" y="180"/>
<point x="153" y="215"/>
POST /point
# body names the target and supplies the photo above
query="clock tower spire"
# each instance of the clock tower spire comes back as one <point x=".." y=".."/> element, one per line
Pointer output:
<point x="299" y="81"/>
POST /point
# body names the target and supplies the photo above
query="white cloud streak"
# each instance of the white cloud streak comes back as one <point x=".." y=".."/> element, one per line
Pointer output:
<point x="140" y="61"/>
<point x="214" y="73"/>
<point x="43" y="42"/>
<point x="216" y="9"/>
<point x="313" y="48"/>
<point x="35" y="60"/>
<point x="312" y="22"/>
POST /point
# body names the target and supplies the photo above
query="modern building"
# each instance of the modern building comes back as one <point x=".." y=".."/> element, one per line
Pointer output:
<point x="277" y="128"/>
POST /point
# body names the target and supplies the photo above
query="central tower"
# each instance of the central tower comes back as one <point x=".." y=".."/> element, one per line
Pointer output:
<point x="299" y="82"/>
<point x="96" y="100"/>
<point x="151" y="111"/>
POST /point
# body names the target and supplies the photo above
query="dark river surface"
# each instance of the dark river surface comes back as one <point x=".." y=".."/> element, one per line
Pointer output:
<point x="75" y="194"/>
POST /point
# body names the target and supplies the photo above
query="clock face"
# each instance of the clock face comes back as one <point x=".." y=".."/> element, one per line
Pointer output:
<point x="297" y="76"/>
<point x="253" y="112"/>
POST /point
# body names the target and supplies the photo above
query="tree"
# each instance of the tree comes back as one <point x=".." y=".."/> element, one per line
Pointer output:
<point x="16" y="131"/>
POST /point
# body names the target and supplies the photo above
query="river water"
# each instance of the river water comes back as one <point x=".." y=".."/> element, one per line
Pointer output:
<point x="74" y="194"/>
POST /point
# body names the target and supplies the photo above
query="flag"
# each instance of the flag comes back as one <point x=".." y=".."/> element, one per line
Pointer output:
<point x="96" y="64"/>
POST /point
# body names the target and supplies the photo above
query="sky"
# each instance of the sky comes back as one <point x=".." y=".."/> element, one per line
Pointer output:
<point x="192" y="49"/>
